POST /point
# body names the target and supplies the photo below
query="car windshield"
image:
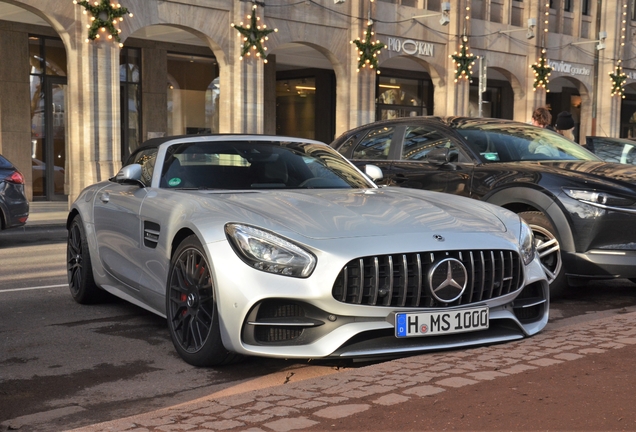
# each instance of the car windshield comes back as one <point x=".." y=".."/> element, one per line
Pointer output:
<point x="246" y="165"/>
<point x="519" y="142"/>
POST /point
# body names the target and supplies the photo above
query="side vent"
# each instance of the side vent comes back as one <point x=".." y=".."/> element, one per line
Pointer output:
<point x="151" y="234"/>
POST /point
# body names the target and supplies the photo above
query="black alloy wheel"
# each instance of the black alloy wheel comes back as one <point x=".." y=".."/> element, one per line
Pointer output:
<point x="83" y="288"/>
<point x="549" y="250"/>
<point x="191" y="307"/>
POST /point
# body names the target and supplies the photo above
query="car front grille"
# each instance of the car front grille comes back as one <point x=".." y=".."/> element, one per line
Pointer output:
<point x="402" y="280"/>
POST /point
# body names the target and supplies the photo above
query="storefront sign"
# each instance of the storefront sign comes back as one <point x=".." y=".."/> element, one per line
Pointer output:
<point x="630" y="74"/>
<point x="411" y="47"/>
<point x="567" y="68"/>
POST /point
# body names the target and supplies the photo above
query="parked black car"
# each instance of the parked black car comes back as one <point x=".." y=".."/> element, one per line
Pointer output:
<point x="620" y="150"/>
<point x="14" y="206"/>
<point x="582" y="210"/>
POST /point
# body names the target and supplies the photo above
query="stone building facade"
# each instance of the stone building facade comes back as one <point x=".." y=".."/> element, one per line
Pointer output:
<point x="76" y="109"/>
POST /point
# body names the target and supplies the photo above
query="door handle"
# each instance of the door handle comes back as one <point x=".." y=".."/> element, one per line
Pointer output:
<point x="105" y="197"/>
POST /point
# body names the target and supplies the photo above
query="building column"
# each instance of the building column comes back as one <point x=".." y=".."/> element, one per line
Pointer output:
<point x="242" y="82"/>
<point x="355" y="90"/>
<point x="93" y="139"/>
<point x="15" y="102"/>
<point x="608" y="108"/>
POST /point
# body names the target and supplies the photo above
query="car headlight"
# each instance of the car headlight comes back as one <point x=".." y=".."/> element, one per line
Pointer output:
<point x="270" y="253"/>
<point x="598" y="198"/>
<point x="526" y="242"/>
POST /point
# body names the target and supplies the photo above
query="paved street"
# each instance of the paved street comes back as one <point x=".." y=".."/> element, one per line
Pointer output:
<point x="321" y="403"/>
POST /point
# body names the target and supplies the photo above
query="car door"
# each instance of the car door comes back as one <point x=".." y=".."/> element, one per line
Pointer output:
<point x="118" y="226"/>
<point x="418" y="164"/>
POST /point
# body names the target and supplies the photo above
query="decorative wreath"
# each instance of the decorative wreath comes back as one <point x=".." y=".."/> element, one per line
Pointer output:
<point x="618" y="81"/>
<point x="541" y="72"/>
<point x="254" y="36"/>
<point x="368" y="50"/>
<point x="463" y="62"/>
<point x="105" y="17"/>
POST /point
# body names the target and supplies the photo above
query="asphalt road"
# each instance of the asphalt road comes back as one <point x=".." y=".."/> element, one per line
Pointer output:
<point x="64" y="365"/>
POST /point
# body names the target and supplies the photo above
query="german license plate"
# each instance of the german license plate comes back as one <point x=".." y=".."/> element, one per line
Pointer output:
<point x="441" y="322"/>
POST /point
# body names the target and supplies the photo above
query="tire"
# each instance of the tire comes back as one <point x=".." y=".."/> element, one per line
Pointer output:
<point x="191" y="310"/>
<point x="547" y="243"/>
<point x="83" y="288"/>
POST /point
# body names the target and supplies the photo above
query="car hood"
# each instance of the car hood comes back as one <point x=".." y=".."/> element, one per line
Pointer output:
<point x="339" y="213"/>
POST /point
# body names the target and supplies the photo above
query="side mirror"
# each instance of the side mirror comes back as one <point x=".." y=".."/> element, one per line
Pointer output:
<point x="374" y="172"/>
<point x="438" y="156"/>
<point x="130" y="174"/>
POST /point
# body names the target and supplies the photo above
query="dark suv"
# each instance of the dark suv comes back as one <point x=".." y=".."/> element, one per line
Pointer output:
<point x="14" y="206"/>
<point x="582" y="210"/>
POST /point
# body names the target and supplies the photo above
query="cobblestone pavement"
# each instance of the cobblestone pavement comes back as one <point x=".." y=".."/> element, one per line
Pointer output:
<point x="318" y="401"/>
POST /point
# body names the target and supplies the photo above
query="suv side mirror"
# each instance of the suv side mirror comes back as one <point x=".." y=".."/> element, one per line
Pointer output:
<point x="438" y="156"/>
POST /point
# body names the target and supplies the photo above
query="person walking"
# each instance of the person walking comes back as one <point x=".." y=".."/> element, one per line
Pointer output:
<point x="565" y="125"/>
<point x="542" y="118"/>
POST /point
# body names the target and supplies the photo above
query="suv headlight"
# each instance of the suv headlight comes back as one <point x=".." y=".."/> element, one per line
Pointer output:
<point x="270" y="253"/>
<point x="598" y="198"/>
<point x="526" y="242"/>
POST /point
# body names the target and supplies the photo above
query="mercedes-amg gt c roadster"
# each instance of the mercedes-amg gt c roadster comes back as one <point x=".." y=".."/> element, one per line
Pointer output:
<point x="280" y="247"/>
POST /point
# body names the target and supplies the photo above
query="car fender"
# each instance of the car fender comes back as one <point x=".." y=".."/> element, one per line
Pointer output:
<point x="541" y="202"/>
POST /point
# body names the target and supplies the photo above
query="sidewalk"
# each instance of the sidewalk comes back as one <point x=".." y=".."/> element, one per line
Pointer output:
<point x="47" y="213"/>
<point x="577" y="377"/>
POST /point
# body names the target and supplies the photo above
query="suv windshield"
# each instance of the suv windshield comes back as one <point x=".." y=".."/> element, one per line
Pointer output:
<point x="497" y="143"/>
<point x="242" y="165"/>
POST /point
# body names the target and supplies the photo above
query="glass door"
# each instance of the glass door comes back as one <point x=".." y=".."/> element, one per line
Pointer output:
<point x="49" y="143"/>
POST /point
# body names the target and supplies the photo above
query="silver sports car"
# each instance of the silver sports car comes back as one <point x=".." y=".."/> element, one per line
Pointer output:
<point x="280" y="247"/>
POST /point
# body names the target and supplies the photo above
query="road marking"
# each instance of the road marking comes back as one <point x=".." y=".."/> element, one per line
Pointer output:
<point x="34" y="288"/>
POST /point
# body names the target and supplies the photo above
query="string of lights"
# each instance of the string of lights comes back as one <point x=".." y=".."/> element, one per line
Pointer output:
<point x="619" y="77"/>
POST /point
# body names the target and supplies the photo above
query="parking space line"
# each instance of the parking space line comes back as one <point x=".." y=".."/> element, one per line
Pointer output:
<point x="34" y="288"/>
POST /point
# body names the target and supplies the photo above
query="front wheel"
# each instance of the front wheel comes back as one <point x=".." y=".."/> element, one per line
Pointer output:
<point x="549" y="250"/>
<point x="78" y="265"/>
<point x="191" y="309"/>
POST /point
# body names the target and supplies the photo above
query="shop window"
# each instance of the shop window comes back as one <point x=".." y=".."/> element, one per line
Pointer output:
<point x="296" y="107"/>
<point x="402" y="97"/>
<point x="193" y="94"/>
<point x="130" y="94"/>
<point x="496" y="102"/>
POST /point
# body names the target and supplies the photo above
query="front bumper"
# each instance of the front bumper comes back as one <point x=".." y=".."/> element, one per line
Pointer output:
<point x="270" y="315"/>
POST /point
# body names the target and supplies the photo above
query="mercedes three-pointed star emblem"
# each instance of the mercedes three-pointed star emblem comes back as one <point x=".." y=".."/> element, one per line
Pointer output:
<point x="447" y="280"/>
